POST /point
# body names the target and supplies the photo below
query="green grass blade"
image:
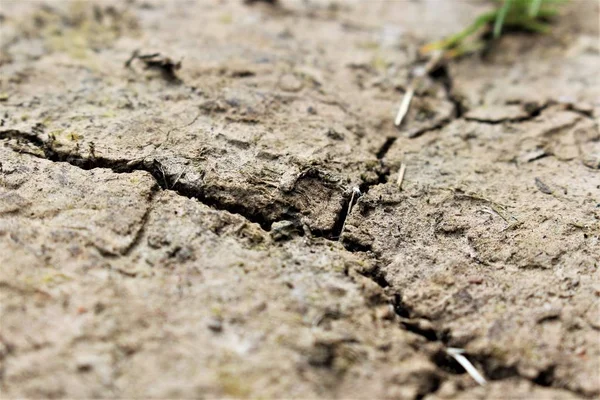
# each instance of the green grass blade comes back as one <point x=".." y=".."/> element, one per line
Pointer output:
<point x="456" y="39"/>
<point x="501" y="17"/>
<point x="534" y="8"/>
<point x="535" y="26"/>
<point x="531" y="15"/>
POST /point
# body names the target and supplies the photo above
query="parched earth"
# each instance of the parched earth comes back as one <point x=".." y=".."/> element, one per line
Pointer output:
<point x="175" y="181"/>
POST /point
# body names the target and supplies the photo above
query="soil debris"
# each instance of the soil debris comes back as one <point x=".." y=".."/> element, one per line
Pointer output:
<point x="543" y="187"/>
<point x="155" y="61"/>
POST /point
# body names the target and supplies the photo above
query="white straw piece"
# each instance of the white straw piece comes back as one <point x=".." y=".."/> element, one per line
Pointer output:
<point x="401" y="175"/>
<point x="457" y="354"/>
<point x="403" y="110"/>
<point x="178" y="177"/>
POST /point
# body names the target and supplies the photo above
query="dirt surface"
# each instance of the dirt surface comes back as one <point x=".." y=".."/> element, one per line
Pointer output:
<point x="175" y="179"/>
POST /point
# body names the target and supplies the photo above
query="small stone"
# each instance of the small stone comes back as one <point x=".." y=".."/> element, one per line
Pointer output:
<point x="11" y="202"/>
<point x="548" y="312"/>
<point x="335" y="134"/>
<point x="283" y="230"/>
<point x="85" y="363"/>
<point x="321" y="355"/>
<point x="385" y="312"/>
<point x="542" y="186"/>
<point x="290" y="83"/>
<point x="592" y="161"/>
<point x="448" y="389"/>
<point x="215" y="325"/>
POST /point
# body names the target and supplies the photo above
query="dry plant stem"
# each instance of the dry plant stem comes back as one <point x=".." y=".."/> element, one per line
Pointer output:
<point x="401" y="175"/>
<point x="457" y="354"/>
<point x="403" y="110"/>
<point x="178" y="177"/>
<point x="406" y="100"/>
<point x="355" y="193"/>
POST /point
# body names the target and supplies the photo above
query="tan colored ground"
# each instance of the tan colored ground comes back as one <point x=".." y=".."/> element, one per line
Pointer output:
<point x="178" y="235"/>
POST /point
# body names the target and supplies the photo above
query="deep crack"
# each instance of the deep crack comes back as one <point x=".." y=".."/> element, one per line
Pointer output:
<point x="442" y="75"/>
<point x="492" y="367"/>
<point x="387" y="145"/>
<point x="163" y="180"/>
<point x="533" y="111"/>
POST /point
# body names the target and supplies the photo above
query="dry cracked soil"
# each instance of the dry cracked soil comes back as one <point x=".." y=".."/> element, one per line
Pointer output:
<point x="175" y="180"/>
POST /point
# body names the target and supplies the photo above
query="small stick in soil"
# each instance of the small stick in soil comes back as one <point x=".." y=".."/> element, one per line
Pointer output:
<point x="403" y="110"/>
<point x="178" y="177"/>
<point x="401" y="175"/>
<point x="355" y="193"/>
<point x="457" y="354"/>
<point x="162" y="171"/>
<point x="410" y="92"/>
<point x="157" y="164"/>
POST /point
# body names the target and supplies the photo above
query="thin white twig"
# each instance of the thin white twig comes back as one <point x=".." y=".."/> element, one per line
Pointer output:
<point x="355" y="192"/>
<point x="401" y="175"/>
<point x="178" y="177"/>
<point x="466" y="364"/>
<point x="419" y="74"/>
<point x="403" y="110"/>
<point x="162" y="171"/>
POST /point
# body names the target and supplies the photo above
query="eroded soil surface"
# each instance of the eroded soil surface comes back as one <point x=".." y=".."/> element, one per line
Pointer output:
<point x="175" y="177"/>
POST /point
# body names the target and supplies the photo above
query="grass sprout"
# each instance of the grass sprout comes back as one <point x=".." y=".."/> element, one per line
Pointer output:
<point x="528" y="15"/>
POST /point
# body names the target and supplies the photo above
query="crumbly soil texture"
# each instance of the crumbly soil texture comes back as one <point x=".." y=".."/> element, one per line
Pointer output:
<point x="179" y="213"/>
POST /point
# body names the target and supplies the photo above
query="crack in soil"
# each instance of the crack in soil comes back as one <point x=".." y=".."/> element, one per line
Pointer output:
<point x="493" y="368"/>
<point x="143" y="224"/>
<point x="442" y="75"/>
<point x="164" y="181"/>
<point x="532" y="114"/>
<point x="387" y="145"/>
<point x="584" y="113"/>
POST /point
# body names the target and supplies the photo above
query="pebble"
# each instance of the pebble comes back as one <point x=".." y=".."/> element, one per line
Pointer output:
<point x="215" y="325"/>
<point x="290" y="83"/>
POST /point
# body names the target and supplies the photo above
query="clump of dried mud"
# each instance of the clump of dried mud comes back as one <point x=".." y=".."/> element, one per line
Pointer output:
<point x="173" y="227"/>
